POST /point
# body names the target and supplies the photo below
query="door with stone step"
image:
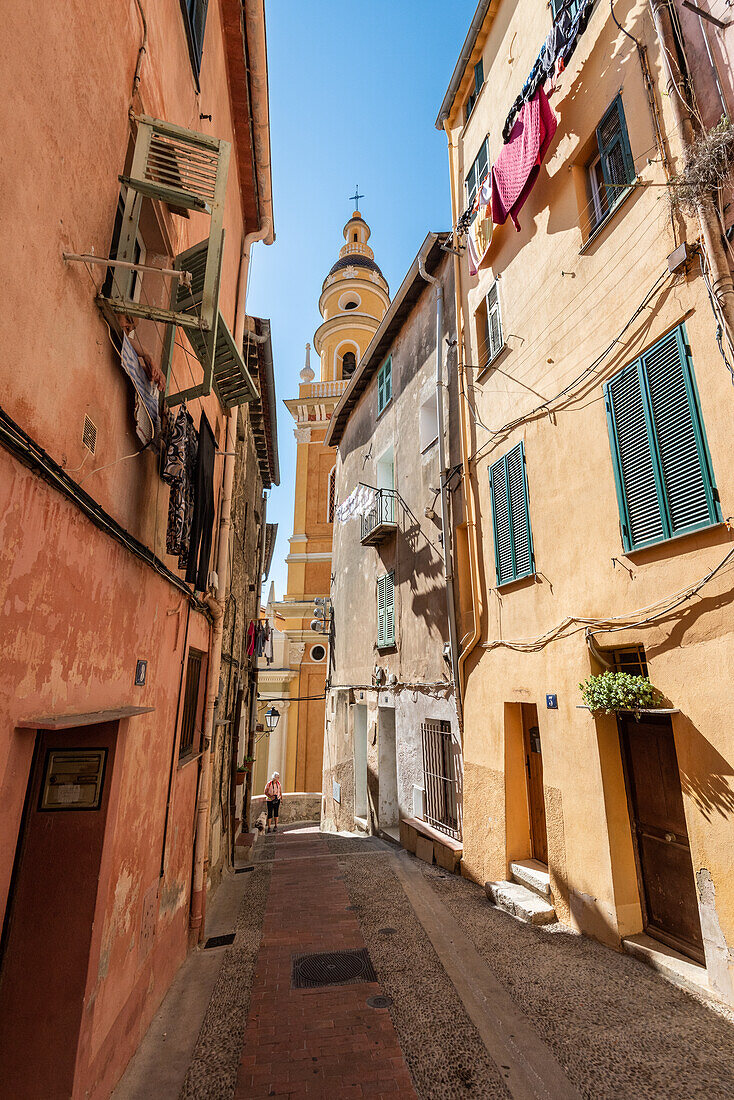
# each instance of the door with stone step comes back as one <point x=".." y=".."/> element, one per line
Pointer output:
<point x="534" y="773"/>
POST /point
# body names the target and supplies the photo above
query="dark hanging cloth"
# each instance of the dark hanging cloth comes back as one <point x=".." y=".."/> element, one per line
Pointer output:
<point x="202" y="522"/>
<point x="251" y="639"/>
<point x="179" y="462"/>
<point x="555" y="53"/>
<point x="260" y="640"/>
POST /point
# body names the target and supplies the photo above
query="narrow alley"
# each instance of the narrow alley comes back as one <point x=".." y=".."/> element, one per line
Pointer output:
<point x="454" y="1007"/>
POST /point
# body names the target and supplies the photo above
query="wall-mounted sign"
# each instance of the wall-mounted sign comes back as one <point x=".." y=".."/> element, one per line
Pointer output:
<point x="141" y="671"/>
<point x="551" y="701"/>
<point x="73" y="779"/>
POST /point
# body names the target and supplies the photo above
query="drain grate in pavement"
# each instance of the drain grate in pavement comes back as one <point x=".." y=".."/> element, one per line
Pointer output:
<point x="243" y="870"/>
<point x="386" y="931"/>
<point x="379" y="1002"/>
<point x="332" y="968"/>
<point x="219" y="941"/>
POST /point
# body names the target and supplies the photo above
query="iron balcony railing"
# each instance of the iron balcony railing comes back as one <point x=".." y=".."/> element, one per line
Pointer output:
<point x="380" y="520"/>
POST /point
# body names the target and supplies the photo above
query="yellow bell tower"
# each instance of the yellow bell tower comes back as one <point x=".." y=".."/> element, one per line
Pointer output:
<point x="354" y="299"/>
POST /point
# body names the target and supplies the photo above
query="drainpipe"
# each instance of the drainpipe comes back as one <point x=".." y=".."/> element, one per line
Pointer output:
<point x="471" y="524"/>
<point x="216" y="606"/>
<point x="711" y="231"/>
<point x="252" y="709"/>
<point x="448" y="571"/>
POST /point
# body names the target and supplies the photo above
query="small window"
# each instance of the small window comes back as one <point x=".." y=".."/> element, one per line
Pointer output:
<point x="349" y="363"/>
<point x="384" y="386"/>
<point x="513" y="544"/>
<point x="489" y="327"/>
<point x="663" y="475"/>
<point x="386" y="610"/>
<point x="350" y="305"/>
<point x="191" y="704"/>
<point x="611" y="170"/>
<point x="331" y="503"/>
<point x="631" y="660"/>
<point x="194" y="16"/>
<point x="354" y="238"/>
<point x="477" y="172"/>
<point x="317" y="653"/>
<point x="428" y="423"/>
<point x="474" y="95"/>
<point x="440" y="776"/>
<point x="114" y="286"/>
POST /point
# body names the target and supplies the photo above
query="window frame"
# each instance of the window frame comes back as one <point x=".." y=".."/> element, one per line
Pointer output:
<point x="331" y="495"/>
<point x="471" y="189"/>
<point x="385" y="639"/>
<point x="384" y="386"/>
<point x="474" y="94"/>
<point x="699" y="434"/>
<point x="613" y="194"/>
<point x="188" y="745"/>
<point x="492" y="351"/>
<point x="504" y="463"/>
<point x="196" y="47"/>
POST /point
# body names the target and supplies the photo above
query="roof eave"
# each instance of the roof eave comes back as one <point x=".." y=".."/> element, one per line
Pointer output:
<point x="466" y="51"/>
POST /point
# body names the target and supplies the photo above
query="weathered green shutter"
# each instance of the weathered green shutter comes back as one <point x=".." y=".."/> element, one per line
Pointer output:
<point x="617" y="165"/>
<point x="663" y="472"/>
<point x="384" y="385"/>
<point x="386" y="610"/>
<point x="381" y="610"/>
<point x="494" y="322"/>
<point x="513" y="544"/>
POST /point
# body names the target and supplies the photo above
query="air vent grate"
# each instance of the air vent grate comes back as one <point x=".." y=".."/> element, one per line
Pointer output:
<point x="89" y="435"/>
<point x="220" y="941"/>
<point x="332" y="968"/>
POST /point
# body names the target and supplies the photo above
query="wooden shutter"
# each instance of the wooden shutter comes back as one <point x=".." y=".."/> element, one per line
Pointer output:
<point x="662" y="468"/>
<point x="384" y="385"/>
<point x="685" y="471"/>
<point x="388" y="381"/>
<point x="494" y="322"/>
<point x="381" y="610"/>
<point x="389" y="609"/>
<point x="614" y="149"/>
<point x="511" y="517"/>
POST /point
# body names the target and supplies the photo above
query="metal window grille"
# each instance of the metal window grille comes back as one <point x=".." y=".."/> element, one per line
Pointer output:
<point x="190" y="706"/>
<point x="439" y="771"/>
<point x="631" y="660"/>
<point x="332" y="496"/>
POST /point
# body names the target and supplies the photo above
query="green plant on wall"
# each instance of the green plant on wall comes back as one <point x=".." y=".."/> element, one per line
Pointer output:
<point x="614" y="691"/>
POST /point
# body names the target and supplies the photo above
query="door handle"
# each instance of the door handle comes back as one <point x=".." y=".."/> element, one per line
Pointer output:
<point x="670" y="837"/>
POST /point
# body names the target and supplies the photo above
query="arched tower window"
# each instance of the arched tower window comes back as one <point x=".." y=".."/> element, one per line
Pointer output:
<point x="349" y="364"/>
<point x="331" y="500"/>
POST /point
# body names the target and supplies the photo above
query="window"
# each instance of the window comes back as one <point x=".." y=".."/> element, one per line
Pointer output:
<point x="439" y="776"/>
<point x="191" y="704"/>
<point x="513" y="543"/>
<point x="113" y="285"/>
<point x="489" y="327"/>
<point x="349" y="363"/>
<point x="384" y="386"/>
<point x="386" y="610"/>
<point x="318" y="653"/>
<point x="477" y="172"/>
<point x="474" y="96"/>
<point x="350" y="305"/>
<point x="428" y="425"/>
<point x="611" y="169"/>
<point x="331" y="498"/>
<point x="194" y="16"/>
<point x="631" y="660"/>
<point x="663" y="475"/>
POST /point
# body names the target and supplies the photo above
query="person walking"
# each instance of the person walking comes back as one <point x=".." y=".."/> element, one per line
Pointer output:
<point x="273" y="793"/>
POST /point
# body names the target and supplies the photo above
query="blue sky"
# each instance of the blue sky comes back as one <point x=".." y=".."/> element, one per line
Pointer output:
<point x="354" y="92"/>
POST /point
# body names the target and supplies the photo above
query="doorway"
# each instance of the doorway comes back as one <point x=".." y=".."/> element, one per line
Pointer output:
<point x="388" y="816"/>
<point x="534" y="774"/>
<point x="360" y="761"/>
<point x="48" y="927"/>
<point x="658" y="821"/>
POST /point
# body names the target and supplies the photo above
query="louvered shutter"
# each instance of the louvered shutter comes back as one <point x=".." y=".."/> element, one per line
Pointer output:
<point x="380" y="611"/>
<point x="614" y="150"/>
<point x="389" y="609"/>
<point x="683" y="458"/>
<point x="388" y="382"/>
<point x="517" y="492"/>
<point x="494" y="322"/>
<point x="501" y="521"/>
<point x="638" y="493"/>
<point x="380" y="391"/>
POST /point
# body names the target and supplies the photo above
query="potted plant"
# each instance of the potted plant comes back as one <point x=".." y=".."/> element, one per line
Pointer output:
<point x="240" y="775"/>
<point x="612" y="692"/>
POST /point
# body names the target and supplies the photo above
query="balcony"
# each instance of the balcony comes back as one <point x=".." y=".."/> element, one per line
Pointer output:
<point x="379" y="522"/>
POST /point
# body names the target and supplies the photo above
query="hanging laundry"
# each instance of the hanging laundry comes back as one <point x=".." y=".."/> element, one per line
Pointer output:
<point x="147" y="394"/>
<point x="479" y="233"/>
<point x="250" y="639"/>
<point x="202" y="523"/>
<point x="555" y="53"/>
<point x="269" y="643"/>
<point x="359" y="501"/>
<point x="179" y="462"/>
<point x="516" y="169"/>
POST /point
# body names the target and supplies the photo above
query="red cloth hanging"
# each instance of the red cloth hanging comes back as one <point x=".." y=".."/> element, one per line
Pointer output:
<point x="517" y="166"/>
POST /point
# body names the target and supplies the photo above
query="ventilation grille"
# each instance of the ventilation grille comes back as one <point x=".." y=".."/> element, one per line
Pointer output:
<point x="332" y="968"/>
<point x="89" y="435"/>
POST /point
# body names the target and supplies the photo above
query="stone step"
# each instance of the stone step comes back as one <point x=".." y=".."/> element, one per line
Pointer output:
<point x="520" y="902"/>
<point x="534" y="875"/>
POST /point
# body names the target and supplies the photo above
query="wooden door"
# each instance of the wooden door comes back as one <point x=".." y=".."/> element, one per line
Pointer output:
<point x="661" y="836"/>
<point x="534" y="772"/>
<point x="48" y="930"/>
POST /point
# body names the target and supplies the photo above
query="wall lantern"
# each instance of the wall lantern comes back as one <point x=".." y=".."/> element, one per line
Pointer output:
<point x="272" y="717"/>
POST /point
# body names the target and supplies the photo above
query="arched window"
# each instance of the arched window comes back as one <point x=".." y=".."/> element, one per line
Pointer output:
<point x="331" y="500"/>
<point x="349" y="363"/>
<point x="355" y="237"/>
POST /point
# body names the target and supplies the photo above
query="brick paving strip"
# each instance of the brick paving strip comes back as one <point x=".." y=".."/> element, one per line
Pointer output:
<point x="318" y="1042"/>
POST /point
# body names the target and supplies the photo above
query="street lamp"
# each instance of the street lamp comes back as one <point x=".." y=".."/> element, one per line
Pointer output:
<point x="272" y="717"/>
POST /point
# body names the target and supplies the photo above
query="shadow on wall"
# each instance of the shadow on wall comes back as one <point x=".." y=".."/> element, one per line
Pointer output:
<point x="704" y="773"/>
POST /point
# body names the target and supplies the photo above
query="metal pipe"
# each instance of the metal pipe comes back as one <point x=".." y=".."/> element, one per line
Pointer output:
<point x="89" y="258"/>
<point x="448" y="571"/>
<point x="142" y="50"/>
<point x="712" y="62"/>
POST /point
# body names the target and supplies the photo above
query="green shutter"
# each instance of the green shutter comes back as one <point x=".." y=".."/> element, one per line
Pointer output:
<point x="494" y="322"/>
<point x="513" y="544"/>
<point x="380" y="611"/>
<point x="617" y="165"/>
<point x="663" y="472"/>
<point x="384" y="386"/>
<point x="386" y="610"/>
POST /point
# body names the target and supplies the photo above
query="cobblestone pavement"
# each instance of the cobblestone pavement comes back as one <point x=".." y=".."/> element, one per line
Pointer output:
<point x="616" y="1028"/>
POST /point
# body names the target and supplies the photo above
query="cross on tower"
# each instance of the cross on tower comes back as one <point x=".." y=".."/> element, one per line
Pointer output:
<point x="356" y="197"/>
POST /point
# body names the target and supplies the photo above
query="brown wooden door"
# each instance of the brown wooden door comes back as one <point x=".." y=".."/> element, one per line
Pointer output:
<point x="48" y="931"/>
<point x="534" y="771"/>
<point x="663" y="852"/>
